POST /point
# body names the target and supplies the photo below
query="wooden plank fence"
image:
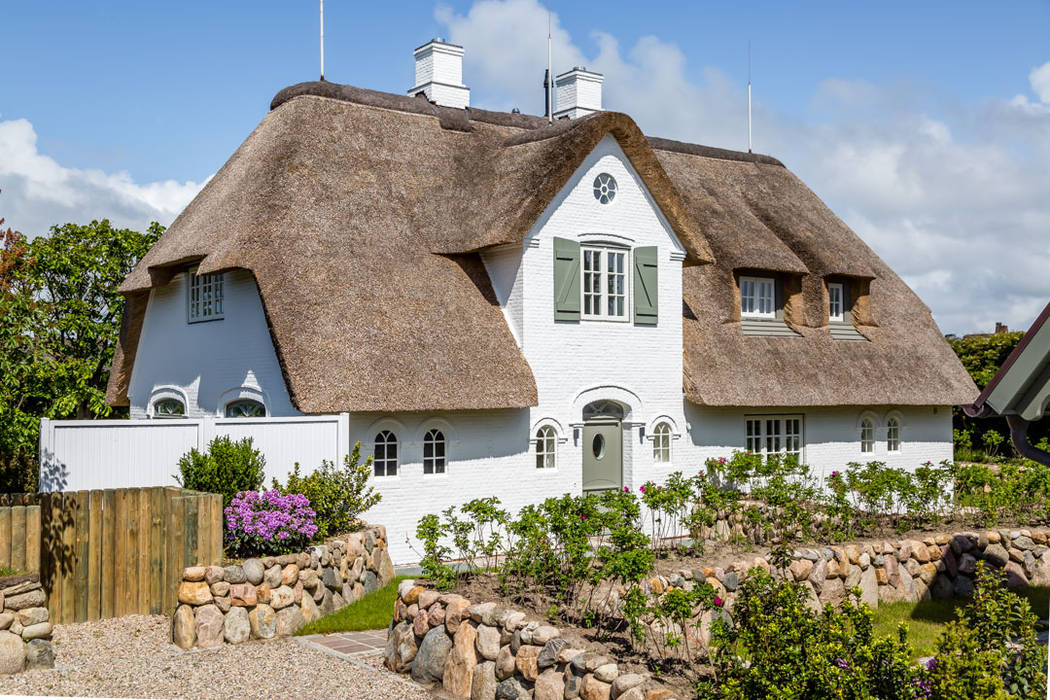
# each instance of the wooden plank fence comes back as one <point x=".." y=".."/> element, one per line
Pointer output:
<point x="112" y="552"/>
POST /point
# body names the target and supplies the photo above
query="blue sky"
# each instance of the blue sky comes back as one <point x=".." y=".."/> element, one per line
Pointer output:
<point x="925" y="126"/>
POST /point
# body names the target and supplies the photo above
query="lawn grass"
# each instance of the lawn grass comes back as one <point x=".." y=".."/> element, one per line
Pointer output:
<point x="926" y="619"/>
<point x="372" y="612"/>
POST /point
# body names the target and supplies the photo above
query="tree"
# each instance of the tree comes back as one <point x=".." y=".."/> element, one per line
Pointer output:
<point x="60" y="316"/>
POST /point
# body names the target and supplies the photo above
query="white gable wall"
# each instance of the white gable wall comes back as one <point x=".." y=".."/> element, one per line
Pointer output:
<point x="209" y="363"/>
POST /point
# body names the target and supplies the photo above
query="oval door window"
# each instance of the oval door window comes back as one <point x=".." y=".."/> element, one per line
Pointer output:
<point x="598" y="446"/>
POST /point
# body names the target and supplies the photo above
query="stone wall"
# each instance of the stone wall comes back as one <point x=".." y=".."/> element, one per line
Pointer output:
<point x="25" y="629"/>
<point x="934" y="566"/>
<point x="485" y="651"/>
<point x="275" y="596"/>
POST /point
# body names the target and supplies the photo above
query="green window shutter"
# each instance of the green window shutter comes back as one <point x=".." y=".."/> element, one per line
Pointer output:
<point x="646" y="290"/>
<point x="566" y="280"/>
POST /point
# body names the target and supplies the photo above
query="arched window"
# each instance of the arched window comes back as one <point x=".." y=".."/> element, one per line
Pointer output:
<point x="893" y="435"/>
<point x="546" y="447"/>
<point x="662" y="443"/>
<point x="867" y="435"/>
<point x="245" y="408"/>
<point x="385" y="460"/>
<point x="168" y="407"/>
<point x="434" y="452"/>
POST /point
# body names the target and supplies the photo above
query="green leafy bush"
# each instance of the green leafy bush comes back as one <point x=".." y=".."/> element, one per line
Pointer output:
<point x="227" y="467"/>
<point x="338" y="495"/>
<point x="991" y="650"/>
<point x="778" y="646"/>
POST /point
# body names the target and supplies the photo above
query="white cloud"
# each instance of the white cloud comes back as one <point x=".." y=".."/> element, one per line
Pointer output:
<point x="37" y="192"/>
<point x="1040" y="80"/>
<point x="952" y="196"/>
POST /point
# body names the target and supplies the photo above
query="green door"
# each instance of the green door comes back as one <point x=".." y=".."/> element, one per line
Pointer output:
<point x="602" y="456"/>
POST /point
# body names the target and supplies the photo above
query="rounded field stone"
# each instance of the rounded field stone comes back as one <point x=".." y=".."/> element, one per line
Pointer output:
<point x="32" y="616"/>
<point x="236" y="628"/>
<point x="253" y="571"/>
<point x="184" y="627"/>
<point x="12" y="653"/>
<point x="263" y="621"/>
<point x="39" y="654"/>
<point x="289" y="620"/>
<point x="41" y="630"/>
<point x="209" y="627"/>
<point x="235" y="574"/>
<point x="194" y="592"/>
<point x="429" y="664"/>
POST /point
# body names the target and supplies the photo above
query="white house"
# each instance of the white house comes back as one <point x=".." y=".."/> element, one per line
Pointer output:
<point x="511" y="308"/>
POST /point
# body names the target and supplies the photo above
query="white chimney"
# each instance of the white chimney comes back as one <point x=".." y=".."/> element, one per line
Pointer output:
<point x="439" y="74"/>
<point x="579" y="93"/>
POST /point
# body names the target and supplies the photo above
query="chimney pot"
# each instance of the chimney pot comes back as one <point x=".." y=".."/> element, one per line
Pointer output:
<point x="439" y="74"/>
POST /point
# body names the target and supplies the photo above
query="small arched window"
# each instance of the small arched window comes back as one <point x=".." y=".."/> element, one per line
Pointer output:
<point x="662" y="443"/>
<point x="434" y="452"/>
<point x="893" y="435"/>
<point x="245" y="408"/>
<point x="385" y="459"/>
<point x="168" y="408"/>
<point x="867" y="436"/>
<point x="546" y="448"/>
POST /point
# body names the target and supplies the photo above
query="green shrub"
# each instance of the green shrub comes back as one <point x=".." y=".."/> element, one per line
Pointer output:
<point x="338" y="495"/>
<point x="778" y="646"/>
<point x="227" y="467"/>
<point x="991" y="650"/>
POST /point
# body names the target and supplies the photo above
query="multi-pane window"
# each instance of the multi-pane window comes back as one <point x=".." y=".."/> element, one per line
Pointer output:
<point x="836" y="312"/>
<point x="867" y="436"/>
<point x="662" y="443"/>
<point x="604" y="283"/>
<point x="168" y="408"/>
<point x="245" y="408"/>
<point x="385" y="459"/>
<point x="757" y="297"/>
<point x="769" y="435"/>
<point x="205" y="297"/>
<point x="546" y="448"/>
<point x="434" y="452"/>
<point x="893" y="435"/>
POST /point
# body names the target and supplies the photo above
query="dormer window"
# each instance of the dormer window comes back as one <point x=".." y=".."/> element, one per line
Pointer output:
<point x="758" y="297"/>
<point x="836" y="299"/>
<point x="204" y="301"/>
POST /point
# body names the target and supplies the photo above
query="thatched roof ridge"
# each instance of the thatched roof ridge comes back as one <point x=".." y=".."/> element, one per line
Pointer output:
<point x="361" y="215"/>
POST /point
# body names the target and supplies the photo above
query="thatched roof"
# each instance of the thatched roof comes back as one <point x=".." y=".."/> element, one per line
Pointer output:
<point x="361" y="215"/>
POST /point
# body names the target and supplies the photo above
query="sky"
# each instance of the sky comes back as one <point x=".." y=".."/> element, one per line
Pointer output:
<point x="924" y="126"/>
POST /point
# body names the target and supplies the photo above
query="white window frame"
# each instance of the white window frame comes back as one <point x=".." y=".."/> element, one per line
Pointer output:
<point x="600" y="277"/>
<point x="204" y="297"/>
<point x="775" y="434"/>
<point x="389" y="465"/>
<point x="867" y="436"/>
<point x="836" y="305"/>
<point x="545" y="441"/>
<point x="662" y="437"/>
<point x="752" y="299"/>
<point x="893" y="435"/>
<point x="435" y="464"/>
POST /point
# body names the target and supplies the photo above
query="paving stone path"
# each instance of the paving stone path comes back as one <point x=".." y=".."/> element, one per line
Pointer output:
<point x="351" y="644"/>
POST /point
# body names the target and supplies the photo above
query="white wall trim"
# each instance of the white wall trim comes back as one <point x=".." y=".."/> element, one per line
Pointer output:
<point x="166" y="392"/>
<point x="245" y="391"/>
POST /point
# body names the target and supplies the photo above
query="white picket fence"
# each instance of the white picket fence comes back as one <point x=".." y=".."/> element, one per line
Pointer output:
<point x="99" y="454"/>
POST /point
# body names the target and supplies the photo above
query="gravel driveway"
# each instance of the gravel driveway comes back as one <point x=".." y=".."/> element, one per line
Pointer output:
<point x="133" y="657"/>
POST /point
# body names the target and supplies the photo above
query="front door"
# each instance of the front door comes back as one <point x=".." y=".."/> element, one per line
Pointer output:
<point x="602" y="456"/>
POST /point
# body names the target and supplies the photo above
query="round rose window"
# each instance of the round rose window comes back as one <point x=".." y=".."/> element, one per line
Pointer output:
<point x="604" y="188"/>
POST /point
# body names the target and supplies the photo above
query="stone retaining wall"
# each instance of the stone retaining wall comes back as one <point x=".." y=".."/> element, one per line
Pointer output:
<point x="25" y="629"/>
<point x="935" y="566"/>
<point x="275" y="596"/>
<point x="485" y="651"/>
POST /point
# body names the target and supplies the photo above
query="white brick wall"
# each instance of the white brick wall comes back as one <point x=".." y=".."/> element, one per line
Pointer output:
<point x="207" y="362"/>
